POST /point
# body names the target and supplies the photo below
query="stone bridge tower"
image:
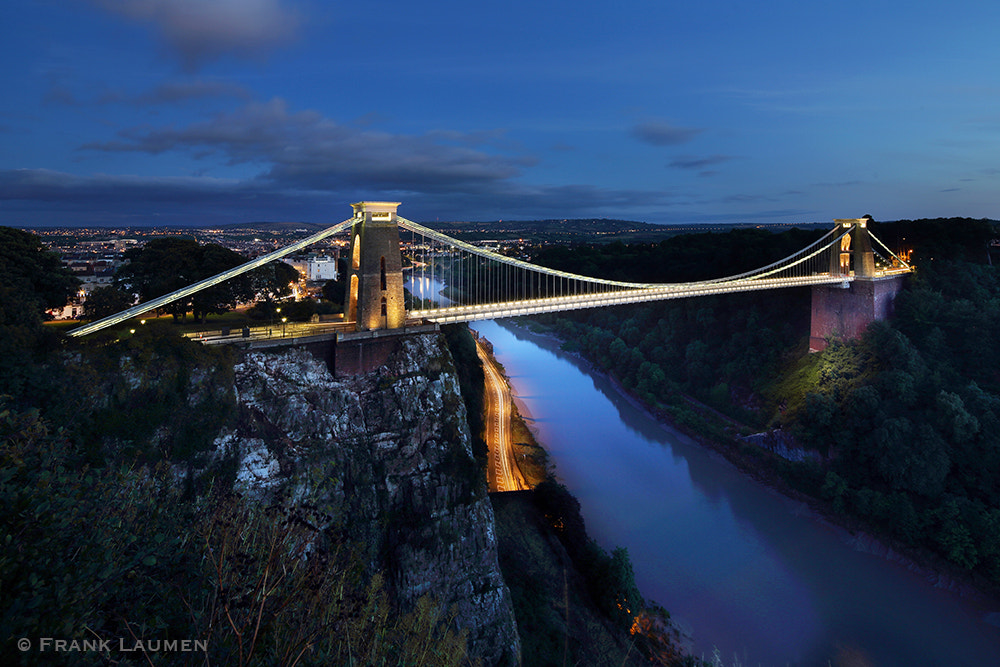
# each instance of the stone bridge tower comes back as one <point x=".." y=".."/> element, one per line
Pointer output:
<point x="855" y="256"/>
<point x="845" y="311"/>
<point x="375" y="268"/>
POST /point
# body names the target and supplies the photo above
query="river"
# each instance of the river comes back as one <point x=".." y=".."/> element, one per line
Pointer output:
<point x="741" y="568"/>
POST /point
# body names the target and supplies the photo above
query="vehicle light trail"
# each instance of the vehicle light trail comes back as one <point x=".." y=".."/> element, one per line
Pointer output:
<point x="502" y="475"/>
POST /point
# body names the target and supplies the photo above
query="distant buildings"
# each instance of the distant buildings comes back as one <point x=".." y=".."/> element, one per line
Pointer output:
<point x="315" y="268"/>
<point x="93" y="254"/>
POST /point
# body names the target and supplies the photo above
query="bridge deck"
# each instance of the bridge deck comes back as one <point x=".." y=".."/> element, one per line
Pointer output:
<point x="469" y="313"/>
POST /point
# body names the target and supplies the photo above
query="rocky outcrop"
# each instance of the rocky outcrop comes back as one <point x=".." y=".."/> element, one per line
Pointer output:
<point x="387" y="455"/>
<point x="781" y="443"/>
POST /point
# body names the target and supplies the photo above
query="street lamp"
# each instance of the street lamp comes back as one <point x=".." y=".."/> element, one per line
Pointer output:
<point x="276" y="310"/>
<point x="283" y="320"/>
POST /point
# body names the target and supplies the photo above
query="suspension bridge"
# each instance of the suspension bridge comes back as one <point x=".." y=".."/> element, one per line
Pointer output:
<point x="486" y="284"/>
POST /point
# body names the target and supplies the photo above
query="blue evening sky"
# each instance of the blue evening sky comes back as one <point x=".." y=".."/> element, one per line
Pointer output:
<point x="223" y="111"/>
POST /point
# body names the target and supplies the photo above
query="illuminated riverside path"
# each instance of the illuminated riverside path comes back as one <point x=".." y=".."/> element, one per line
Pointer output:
<point x="854" y="279"/>
<point x="739" y="566"/>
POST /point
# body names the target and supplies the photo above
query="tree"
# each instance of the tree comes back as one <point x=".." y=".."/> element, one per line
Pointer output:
<point x="273" y="281"/>
<point x="31" y="280"/>
<point x="26" y="266"/>
<point x="168" y="264"/>
<point x="335" y="291"/>
<point x="105" y="301"/>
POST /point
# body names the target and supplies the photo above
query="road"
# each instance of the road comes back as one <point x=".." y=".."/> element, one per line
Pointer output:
<point x="502" y="471"/>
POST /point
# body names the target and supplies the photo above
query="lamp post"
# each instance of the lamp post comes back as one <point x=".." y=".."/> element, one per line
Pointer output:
<point x="283" y="320"/>
<point x="276" y="310"/>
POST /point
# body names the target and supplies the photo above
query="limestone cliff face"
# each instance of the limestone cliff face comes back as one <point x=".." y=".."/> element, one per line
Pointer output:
<point x="388" y="454"/>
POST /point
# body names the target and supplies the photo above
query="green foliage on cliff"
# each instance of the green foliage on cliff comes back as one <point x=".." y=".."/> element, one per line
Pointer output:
<point x="574" y="602"/>
<point x="910" y="415"/>
<point x="147" y="397"/>
<point x="117" y="554"/>
<point x="462" y="346"/>
<point x="609" y="577"/>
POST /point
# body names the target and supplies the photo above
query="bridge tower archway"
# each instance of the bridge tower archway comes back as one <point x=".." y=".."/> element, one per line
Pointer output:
<point x="375" y="300"/>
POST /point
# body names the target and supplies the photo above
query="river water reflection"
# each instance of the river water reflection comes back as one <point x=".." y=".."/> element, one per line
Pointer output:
<point x="740" y="567"/>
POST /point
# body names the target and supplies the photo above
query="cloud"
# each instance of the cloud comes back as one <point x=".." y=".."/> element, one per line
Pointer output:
<point x="306" y="150"/>
<point x="308" y="167"/>
<point x="841" y="184"/>
<point x="56" y="186"/>
<point x="745" y="199"/>
<point x="199" y="31"/>
<point x="695" y="163"/>
<point x="663" y="133"/>
<point x="181" y="91"/>
<point x="170" y="92"/>
<point x="57" y="198"/>
<point x="59" y="94"/>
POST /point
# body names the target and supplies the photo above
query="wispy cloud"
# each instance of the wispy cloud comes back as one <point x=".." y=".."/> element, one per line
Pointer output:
<point x="695" y="163"/>
<point x="169" y="92"/>
<point x="181" y="91"/>
<point x="664" y="133"/>
<point x="841" y="184"/>
<point x="199" y="31"/>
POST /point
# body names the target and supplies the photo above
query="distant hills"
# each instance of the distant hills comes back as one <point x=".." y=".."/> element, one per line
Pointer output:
<point x="552" y="230"/>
